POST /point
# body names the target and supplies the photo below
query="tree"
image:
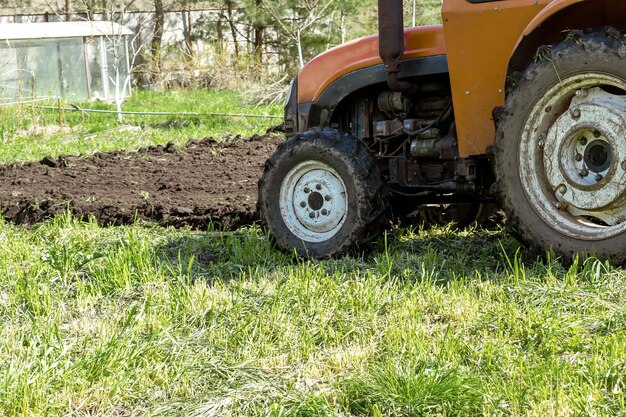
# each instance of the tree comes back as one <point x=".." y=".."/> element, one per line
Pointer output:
<point x="230" y="17"/>
<point x="294" y="18"/>
<point x="157" y="36"/>
<point x="116" y="51"/>
<point x="120" y="54"/>
<point x="422" y="12"/>
<point x="259" y="24"/>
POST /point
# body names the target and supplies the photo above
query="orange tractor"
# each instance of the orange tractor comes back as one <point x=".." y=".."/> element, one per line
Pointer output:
<point x="519" y="104"/>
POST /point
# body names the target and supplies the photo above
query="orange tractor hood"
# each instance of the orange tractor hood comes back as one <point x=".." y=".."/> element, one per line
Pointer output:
<point x="362" y="53"/>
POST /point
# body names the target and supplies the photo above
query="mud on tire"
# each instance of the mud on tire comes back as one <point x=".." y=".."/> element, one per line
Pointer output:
<point x="322" y="195"/>
<point x="560" y="153"/>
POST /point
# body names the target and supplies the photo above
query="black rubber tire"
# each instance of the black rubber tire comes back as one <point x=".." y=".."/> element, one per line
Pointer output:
<point x="366" y="192"/>
<point x="599" y="51"/>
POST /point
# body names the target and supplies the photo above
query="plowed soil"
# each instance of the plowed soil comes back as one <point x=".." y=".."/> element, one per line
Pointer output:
<point x="204" y="182"/>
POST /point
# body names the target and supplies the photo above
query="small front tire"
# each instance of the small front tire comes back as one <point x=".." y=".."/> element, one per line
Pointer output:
<point x="322" y="195"/>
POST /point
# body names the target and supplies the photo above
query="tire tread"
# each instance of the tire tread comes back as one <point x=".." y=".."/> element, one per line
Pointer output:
<point x="372" y="209"/>
<point x="596" y="42"/>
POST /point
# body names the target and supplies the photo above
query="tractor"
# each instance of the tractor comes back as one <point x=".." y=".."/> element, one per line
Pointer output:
<point x="516" y="104"/>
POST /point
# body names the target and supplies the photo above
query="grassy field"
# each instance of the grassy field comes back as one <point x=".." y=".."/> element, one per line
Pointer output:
<point x="143" y="320"/>
<point x="146" y="321"/>
<point x="28" y="133"/>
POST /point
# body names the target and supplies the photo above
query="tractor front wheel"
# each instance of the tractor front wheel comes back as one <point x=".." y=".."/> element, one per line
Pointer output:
<point x="322" y="195"/>
<point x="560" y="154"/>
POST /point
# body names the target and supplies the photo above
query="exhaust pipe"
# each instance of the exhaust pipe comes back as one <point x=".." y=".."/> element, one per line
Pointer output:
<point x="391" y="38"/>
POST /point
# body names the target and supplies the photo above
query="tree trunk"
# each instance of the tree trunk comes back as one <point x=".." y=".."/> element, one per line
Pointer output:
<point x="105" y="10"/>
<point x="91" y="10"/>
<point x="159" y="23"/>
<point x="68" y="10"/>
<point x="187" y="32"/>
<point x="233" y="27"/>
<point x="300" y="54"/>
<point x="259" y="33"/>
<point x="220" y="33"/>
<point x="259" y="41"/>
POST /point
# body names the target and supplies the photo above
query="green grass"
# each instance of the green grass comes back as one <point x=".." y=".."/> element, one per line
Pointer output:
<point x="30" y="134"/>
<point x="148" y="321"/>
<point x="144" y="320"/>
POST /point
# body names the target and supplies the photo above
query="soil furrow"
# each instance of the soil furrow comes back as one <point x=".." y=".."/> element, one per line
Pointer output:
<point x="203" y="182"/>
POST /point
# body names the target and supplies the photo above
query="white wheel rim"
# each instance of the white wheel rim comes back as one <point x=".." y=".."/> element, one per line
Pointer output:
<point x="313" y="201"/>
<point x="573" y="157"/>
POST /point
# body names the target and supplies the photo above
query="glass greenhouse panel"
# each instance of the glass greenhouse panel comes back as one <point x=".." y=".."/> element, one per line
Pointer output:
<point x="72" y="60"/>
<point x="11" y="81"/>
<point x="73" y="73"/>
<point x="95" y="65"/>
<point x="43" y="68"/>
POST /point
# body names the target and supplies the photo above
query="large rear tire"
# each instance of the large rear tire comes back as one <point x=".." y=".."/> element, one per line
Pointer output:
<point x="322" y="195"/>
<point x="560" y="153"/>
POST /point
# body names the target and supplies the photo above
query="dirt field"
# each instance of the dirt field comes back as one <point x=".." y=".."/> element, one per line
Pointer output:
<point x="203" y="182"/>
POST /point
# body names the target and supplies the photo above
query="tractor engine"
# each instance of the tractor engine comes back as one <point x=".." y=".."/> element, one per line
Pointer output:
<point x="413" y="129"/>
<point x="413" y="137"/>
<point x="416" y="137"/>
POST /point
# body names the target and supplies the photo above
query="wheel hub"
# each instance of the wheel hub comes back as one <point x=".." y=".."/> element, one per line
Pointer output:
<point x="316" y="201"/>
<point x="583" y="154"/>
<point x="598" y="156"/>
<point x="313" y="201"/>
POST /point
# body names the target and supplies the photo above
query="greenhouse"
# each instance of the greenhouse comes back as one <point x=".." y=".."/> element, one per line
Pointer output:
<point x="71" y="60"/>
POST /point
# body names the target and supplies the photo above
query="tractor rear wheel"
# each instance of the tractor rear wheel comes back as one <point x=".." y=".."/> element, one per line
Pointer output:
<point x="560" y="153"/>
<point x="322" y="195"/>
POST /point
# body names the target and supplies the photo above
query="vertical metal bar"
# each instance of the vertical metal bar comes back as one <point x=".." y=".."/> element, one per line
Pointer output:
<point x="104" y="68"/>
<point x="391" y="31"/>
<point x="87" y="72"/>
<point x="32" y="105"/>
<point x="60" y="111"/>
<point x="128" y="69"/>
<point x="391" y="40"/>
<point x="61" y="91"/>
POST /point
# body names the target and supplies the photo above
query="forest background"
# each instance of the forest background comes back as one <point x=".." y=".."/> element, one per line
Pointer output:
<point x="230" y="42"/>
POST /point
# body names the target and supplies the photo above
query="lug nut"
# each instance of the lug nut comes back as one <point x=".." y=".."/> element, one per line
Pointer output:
<point x="596" y="134"/>
<point x="312" y="215"/>
<point x="328" y="197"/>
<point x="303" y="204"/>
<point x="578" y="157"/>
<point x="599" y="177"/>
<point x="582" y="93"/>
<point x="541" y="144"/>
<point x="575" y="114"/>
<point x="324" y="212"/>
<point x="562" y="189"/>
<point x="318" y="187"/>
<point x="583" y="141"/>
<point x="558" y="205"/>
<point x="584" y="172"/>
<point x="307" y="190"/>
